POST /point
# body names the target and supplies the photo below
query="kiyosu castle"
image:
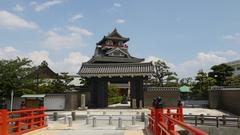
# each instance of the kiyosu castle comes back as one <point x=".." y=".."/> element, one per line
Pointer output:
<point x="113" y="64"/>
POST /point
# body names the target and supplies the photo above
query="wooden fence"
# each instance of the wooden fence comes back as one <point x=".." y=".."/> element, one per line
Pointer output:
<point x="225" y="121"/>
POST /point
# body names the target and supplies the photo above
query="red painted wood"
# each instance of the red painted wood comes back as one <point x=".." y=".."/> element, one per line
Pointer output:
<point x="33" y="119"/>
<point x="163" y="121"/>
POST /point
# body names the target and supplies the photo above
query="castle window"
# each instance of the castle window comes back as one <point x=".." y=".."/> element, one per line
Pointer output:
<point x="109" y="42"/>
<point x="120" y="43"/>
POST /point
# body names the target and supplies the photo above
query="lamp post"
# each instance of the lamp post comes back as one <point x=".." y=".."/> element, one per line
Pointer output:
<point x="215" y="76"/>
<point x="37" y="78"/>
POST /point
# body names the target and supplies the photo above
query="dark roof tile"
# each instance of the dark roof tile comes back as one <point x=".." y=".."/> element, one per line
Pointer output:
<point x="116" y="69"/>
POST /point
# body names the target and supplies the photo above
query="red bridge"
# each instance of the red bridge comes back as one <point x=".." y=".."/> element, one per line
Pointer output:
<point x="21" y="121"/>
<point x="166" y="121"/>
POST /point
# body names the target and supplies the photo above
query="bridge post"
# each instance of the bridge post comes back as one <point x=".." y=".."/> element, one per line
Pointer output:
<point x="170" y="125"/>
<point x="162" y="123"/>
<point x="224" y="120"/>
<point x="180" y="110"/>
<point x="55" y="116"/>
<point x="238" y="122"/>
<point x="4" y="117"/>
<point x="158" y="109"/>
<point x="196" y="120"/>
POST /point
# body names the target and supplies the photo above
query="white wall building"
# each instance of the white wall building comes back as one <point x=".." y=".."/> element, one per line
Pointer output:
<point x="236" y="66"/>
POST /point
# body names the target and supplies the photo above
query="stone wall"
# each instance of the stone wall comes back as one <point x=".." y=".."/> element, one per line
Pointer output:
<point x="73" y="99"/>
<point x="170" y="95"/>
<point x="225" y="98"/>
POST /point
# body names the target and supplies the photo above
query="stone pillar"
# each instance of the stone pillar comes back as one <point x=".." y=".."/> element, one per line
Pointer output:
<point x="134" y="103"/>
<point x="129" y="89"/>
<point x="83" y="102"/>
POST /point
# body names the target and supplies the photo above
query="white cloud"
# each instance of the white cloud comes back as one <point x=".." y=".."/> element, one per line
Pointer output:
<point x="76" y="17"/>
<point x="45" y="5"/>
<point x="120" y="21"/>
<point x="38" y="56"/>
<point x="227" y="53"/>
<point x="18" y="8"/>
<point x="154" y="59"/>
<point x="233" y="37"/>
<point x="202" y="61"/>
<point x="71" y="63"/>
<point x="80" y="31"/>
<point x="11" y="21"/>
<point x="33" y="3"/>
<point x="9" y="49"/>
<point x="74" y="36"/>
<point x="56" y="41"/>
<point x="117" y="4"/>
<point x="8" y="52"/>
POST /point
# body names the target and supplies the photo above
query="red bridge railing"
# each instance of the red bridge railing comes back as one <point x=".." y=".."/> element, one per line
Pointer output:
<point x="21" y="121"/>
<point x="166" y="121"/>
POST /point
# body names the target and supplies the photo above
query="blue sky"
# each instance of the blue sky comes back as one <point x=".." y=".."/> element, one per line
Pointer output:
<point x="189" y="35"/>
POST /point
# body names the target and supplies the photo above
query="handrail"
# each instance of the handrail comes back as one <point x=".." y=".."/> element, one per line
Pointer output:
<point x="185" y="126"/>
<point x="28" y="110"/>
<point x="163" y="121"/>
<point x="11" y="123"/>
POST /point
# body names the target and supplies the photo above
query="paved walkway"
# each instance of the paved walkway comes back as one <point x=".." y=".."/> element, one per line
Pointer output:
<point x="103" y="128"/>
<point x="109" y="111"/>
<point x="85" y="132"/>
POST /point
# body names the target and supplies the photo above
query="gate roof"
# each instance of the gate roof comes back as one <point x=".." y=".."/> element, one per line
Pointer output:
<point x="116" y="69"/>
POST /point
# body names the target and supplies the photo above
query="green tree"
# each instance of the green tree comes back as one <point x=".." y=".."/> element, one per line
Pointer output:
<point x="112" y="91"/>
<point x="233" y="81"/>
<point x="113" y="95"/>
<point x="186" y="81"/>
<point x="59" y="85"/>
<point x="220" y="73"/>
<point x="14" y="75"/>
<point x="162" y="71"/>
<point x="202" y="83"/>
<point x="171" y="81"/>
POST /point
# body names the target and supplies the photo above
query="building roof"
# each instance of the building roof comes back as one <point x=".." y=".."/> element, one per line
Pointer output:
<point x="114" y="35"/>
<point x="104" y="59"/>
<point x="76" y="81"/>
<point x="44" y="72"/>
<point x="116" y="69"/>
<point x="185" y="89"/>
<point x="33" y="96"/>
<point x="236" y="62"/>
